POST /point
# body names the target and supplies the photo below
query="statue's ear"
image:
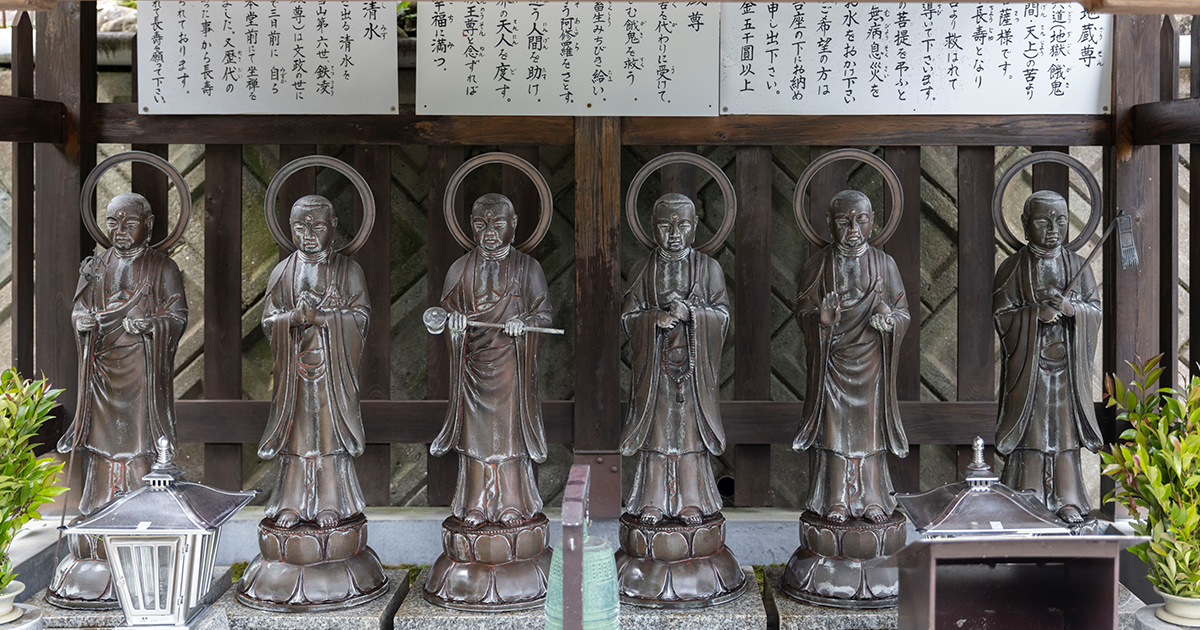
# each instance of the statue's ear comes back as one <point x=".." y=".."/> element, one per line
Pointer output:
<point x="333" y="222"/>
<point x="149" y="220"/>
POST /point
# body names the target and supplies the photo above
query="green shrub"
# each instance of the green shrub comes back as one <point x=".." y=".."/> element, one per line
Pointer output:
<point x="26" y="482"/>
<point x="1156" y="467"/>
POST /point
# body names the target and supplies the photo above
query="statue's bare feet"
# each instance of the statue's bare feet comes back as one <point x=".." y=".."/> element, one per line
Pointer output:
<point x="691" y="516"/>
<point x="1071" y="514"/>
<point x="286" y="519"/>
<point x="473" y="518"/>
<point x="875" y="514"/>
<point x="651" y="516"/>
<point x="510" y="518"/>
<point x="837" y="514"/>
<point x="327" y="519"/>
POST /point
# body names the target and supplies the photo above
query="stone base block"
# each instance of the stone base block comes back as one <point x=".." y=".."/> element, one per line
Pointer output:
<point x="837" y="564"/>
<point x="55" y="617"/>
<point x="312" y="569"/>
<point x="491" y="568"/>
<point x="795" y="615"/>
<point x="747" y="613"/>
<point x="82" y="580"/>
<point x="672" y="565"/>
<point x="376" y="614"/>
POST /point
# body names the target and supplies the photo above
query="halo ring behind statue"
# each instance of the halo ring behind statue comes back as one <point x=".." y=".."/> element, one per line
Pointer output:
<point x="681" y="157"/>
<point x="1056" y="157"/>
<point x="545" y="198"/>
<point x="87" y="210"/>
<point x="360" y="184"/>
<point x="890" y="179"/>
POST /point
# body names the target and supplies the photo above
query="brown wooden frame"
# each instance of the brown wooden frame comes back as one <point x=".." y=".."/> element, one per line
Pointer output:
<point x="65" y="123"/>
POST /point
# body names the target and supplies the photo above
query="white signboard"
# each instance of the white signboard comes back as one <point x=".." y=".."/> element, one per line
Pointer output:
<point x="250" y="57"/>
<point x="567" y="58"/>
<point x="914" y="58"/>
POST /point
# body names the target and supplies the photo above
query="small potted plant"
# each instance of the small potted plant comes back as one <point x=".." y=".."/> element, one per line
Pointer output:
<point x="26" y="481"/>
<point x="1156" y="467"/>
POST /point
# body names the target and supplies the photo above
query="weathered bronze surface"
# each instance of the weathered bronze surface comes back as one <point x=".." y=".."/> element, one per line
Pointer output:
<point x="1047" y="313"/>
<point x="853" y="313"/>
<point x="313" y="541"/>
<point x="676" y="313"/>
<point x="129" y="313"/>
<point x="494" y="419"/>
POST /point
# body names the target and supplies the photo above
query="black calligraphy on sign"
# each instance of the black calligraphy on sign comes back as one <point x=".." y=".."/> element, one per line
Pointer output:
<point x="912" y="57"/>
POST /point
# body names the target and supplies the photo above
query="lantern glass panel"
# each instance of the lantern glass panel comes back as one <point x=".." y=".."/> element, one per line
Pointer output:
<point x="146" y="565"/>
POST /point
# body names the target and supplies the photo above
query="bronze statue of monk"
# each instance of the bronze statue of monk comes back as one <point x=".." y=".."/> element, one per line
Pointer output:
<point x="853" y="313"/>
<point x="494" y="420"/>
<point x="314" y="555"/>
<point x="129" y="312"/>
<point x="1048" y="341"/>
<point x="676" y="313"/>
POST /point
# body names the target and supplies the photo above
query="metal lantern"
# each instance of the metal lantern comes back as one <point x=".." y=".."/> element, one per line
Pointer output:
<point x="979" y="506"/>
<point x="162" y="544"/>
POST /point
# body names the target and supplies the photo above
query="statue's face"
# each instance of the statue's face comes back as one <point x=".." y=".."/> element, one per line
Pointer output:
<point x="313" y="227"/>
<point x="1046" y="224"/>
<point x="851" y="222"/>
<point x="129" y="224"/>
<point x="675" y="226"/>
<point x="494" y="226"/>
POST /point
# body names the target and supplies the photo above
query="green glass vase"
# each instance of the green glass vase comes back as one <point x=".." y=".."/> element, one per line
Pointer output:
<point x="601" y="604"/>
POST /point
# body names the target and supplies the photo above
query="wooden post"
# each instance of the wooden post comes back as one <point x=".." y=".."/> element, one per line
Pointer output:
<point x="905" y="248"/>
<point x="22" y="205"/>
<point x="375" y="165"/>
<point x="1050" y="176"/>
<point x="1169" y="208"/>
<point x="752" y="316"/>
<point x="976" y="374"/>
<point x="441" y="251"/>
<point x="222" y="301"/>
<point x="519" y="190"/>
<point x="66" y="72"/>
<point x="1132" y="297"/>
<point x="1194" y="213"/>
<point x="598" y="308"/>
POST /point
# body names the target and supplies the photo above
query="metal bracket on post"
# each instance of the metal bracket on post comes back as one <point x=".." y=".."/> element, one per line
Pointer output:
<point x="606" y="481"/>
<point x="574" y="524"/>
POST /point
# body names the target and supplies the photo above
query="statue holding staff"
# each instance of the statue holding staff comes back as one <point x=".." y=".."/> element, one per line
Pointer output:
<point x="494" y="309"/>
<point x="129" y="314"/>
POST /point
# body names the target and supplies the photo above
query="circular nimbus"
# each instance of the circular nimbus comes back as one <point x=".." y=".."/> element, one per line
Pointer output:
<point x="1056" y="157"/>
<point x="86" y="196"/>
<point x="894" y="189"/>
<point x="699" y="161"/>
<point x="360" y="184"/>
<point x="545" y="198"/>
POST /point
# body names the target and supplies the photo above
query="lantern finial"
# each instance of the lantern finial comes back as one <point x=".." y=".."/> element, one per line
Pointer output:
<point x="979" y="474"/>
<point x="164" y="472"/>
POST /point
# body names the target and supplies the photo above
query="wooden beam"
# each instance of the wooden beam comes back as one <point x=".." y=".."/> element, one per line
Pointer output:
<point x="222" y="311"/>
<point x="22" y="206"/>
<point x="1168" y="208"/>
<point x="869" y="130"/>
<point x="120" y="122"/>
<point x="598" y="307"/>
<point x="752" y="316"/>
<point x="31" y="119"/>
<point x="756" y="421"/>
<point x="1167" y="122"/>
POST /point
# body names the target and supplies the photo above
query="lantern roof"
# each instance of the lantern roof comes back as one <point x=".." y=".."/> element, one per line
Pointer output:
<point x="979" y="505"/>
<point x="165" y="505"/>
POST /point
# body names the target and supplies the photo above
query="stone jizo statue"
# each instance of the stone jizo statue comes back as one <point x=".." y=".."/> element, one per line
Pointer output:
<point x="494" y="420"/>
<point x="853" y="313"/>
<point x="313" y="542"/>
<point x="129" y="312"/>
<point x="1048" y="340"/>
<point x="676" y="313"/>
